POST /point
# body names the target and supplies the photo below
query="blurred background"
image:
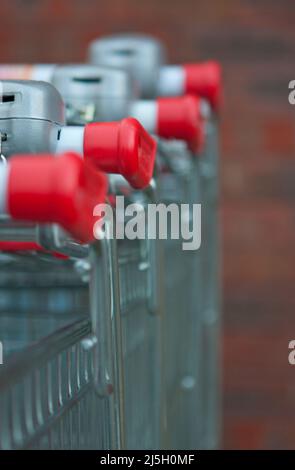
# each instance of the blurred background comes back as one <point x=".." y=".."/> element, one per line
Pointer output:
<point x="255" y="42"/>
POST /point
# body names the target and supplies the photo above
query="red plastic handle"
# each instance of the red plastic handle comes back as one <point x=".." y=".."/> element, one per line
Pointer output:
<point x="56" y="189"/>
<point x="181" y="118"/>
<point x="122" y="147"/>
<point x="204" y="79"/>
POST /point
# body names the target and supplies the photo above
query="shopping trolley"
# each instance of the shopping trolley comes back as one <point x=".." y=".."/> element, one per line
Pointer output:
<point x="74" y="376"/>
<point x="92" y="95"/>
<point x="169" y="118"/>
<point x="189" y="424"/>
<point x="49" y="377"/>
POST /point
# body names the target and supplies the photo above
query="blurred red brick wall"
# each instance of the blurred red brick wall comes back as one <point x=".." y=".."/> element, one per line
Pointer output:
<point x="255" y="41"/>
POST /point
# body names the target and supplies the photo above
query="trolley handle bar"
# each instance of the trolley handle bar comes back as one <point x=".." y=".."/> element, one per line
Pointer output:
<point x="203" y="79"/>
<point x="172" y="118"/>
<point x="122" y="147"/>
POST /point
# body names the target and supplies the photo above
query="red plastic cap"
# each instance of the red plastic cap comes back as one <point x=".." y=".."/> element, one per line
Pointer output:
<point x="180" y="118"/>
<point x="56" y="189"/>
<point x="204" y="79"/>
<point x="122" y="147"/>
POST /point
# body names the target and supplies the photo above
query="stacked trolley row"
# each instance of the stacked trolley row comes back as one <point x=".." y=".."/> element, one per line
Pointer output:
<point x="112" y="344"/>
<point x="75" y="375"/>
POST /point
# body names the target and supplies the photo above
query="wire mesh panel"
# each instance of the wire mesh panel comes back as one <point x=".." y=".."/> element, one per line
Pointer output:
<point x="47" y="398"/>
<point x="182" y="328"/>
<point x="193" y="315"/>
<point x="51" y="390"/>
<point x="211" y="302"/>
<point x="139" y="269"/>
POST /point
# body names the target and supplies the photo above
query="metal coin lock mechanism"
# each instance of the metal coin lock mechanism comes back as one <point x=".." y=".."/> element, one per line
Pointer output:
<point x="144" y="57"/>
<point x="31" y="117"/>
<point x="94" y="93"/>
<point x="140" y="55"/>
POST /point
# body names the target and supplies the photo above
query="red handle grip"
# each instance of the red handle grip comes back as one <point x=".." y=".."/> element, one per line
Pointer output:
<point x="62" y="190"/>
<point x="204" y="79"/>
<point x="122" y="147"/>
<point x="181" y="118"/>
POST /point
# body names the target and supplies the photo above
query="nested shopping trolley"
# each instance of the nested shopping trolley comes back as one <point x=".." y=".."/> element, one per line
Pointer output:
<point x="178" y="123"/>
<point x="77" y="314"/>
<point x="192" y="289"/>
<point x="159" y="338"/>
<point x="110" y="94"/>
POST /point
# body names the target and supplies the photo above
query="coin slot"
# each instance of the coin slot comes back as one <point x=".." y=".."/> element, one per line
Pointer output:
<point x="87" y="79"/>
<point x="8" y="98"/>
<point x="123" y="52"/>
